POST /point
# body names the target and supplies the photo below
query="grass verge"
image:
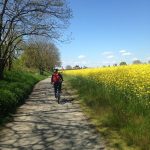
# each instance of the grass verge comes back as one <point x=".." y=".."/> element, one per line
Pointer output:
<point x="120" y="134"/>
<point x="14" y="89"/>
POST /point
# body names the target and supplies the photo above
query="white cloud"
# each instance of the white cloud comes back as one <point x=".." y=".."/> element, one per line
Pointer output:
<point x="81" y="56"/>
<point x="122" y="51"/>
<point x="126" y="54"/>
<point x="110" y="56"/>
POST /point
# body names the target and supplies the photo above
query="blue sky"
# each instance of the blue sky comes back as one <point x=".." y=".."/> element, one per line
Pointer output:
<point x="105" y="32"/>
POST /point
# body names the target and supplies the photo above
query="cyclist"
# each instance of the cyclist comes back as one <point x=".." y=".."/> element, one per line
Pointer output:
<point x="56" y="80"/>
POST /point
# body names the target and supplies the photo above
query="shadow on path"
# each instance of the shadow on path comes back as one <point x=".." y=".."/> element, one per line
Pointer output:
<point x="42" y="124"/>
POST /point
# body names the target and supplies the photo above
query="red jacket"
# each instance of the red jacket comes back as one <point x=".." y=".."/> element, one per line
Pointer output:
<point x="56" y="77"/>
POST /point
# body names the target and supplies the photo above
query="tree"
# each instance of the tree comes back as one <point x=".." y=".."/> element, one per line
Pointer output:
<point x="68" y="67"/>
<point x="137" y="62"/>
<point x="14" y="53"/>
<point x="23" y="18"/>
<point x="149" y="62"/>
<point x="76" y="67"/>
<point x="41" y="55"/>
<point x="123" y="63"/>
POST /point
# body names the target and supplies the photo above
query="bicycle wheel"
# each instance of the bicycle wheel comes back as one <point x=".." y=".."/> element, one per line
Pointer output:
<point x="58" y="97"/>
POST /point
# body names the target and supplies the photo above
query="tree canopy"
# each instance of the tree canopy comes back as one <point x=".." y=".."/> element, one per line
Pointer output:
<point x="22" y="18"/>
<point x="41" y="55"/>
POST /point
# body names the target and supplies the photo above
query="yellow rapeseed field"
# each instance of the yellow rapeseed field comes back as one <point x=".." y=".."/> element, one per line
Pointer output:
<point x="132" y="82"/>
<point x="123" y="93"/>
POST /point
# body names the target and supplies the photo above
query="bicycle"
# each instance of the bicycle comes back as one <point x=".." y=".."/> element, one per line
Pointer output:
<point x="57" y="94"/>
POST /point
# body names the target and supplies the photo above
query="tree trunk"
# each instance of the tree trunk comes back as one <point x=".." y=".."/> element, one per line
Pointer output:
<point x="9" y="63"/>
<point x="2" y="65"/>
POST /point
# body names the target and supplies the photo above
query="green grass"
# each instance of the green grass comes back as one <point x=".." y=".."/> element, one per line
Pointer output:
<point x="123" y="127"/>
<point x="14" y="89"/>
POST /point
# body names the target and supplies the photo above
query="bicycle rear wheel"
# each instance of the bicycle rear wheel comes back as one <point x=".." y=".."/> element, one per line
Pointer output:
<point x="58" y="97"/>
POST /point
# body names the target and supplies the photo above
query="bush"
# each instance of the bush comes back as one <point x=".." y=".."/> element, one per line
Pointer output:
<point x="8" y="101"/>
<point x="15" y="87"/>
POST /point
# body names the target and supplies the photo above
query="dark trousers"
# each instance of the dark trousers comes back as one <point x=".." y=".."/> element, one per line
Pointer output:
<point x="57" y="85"/>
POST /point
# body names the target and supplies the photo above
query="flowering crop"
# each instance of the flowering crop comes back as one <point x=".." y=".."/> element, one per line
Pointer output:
<point x="124" y="93"/>
<point x="131" y="83"/>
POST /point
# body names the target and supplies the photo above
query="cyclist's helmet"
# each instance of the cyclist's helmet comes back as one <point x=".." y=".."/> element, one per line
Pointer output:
<point x="55" y="70"/>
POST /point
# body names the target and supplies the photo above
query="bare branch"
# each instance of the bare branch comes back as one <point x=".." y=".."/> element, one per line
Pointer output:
<point x="23" y="18"/>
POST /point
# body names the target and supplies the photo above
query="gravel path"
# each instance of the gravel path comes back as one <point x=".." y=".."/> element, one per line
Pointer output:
<point x="43" y="124"/>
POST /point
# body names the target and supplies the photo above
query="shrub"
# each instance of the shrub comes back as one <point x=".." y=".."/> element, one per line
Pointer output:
<point x="15" y="87"/>
<point x="8" y="101"/>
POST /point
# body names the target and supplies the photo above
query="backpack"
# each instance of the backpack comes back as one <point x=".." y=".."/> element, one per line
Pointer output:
<point x="56" y="77"/>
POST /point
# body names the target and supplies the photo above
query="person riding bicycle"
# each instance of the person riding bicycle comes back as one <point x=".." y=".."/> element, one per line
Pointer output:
<point x="56" y="80"/>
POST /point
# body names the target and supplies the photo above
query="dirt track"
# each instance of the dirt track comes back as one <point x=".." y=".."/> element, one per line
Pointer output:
<point x="42" y="124"/>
